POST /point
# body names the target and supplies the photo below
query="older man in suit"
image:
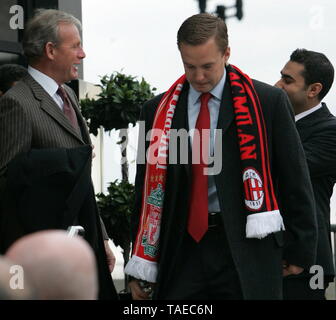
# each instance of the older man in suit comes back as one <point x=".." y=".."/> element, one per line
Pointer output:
<point x="41" y="112"/>
<point x="202" y="233"/>
<point x="307" y="77"/>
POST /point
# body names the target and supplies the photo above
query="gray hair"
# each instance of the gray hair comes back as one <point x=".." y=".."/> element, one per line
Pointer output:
<point x="44" y="28"/>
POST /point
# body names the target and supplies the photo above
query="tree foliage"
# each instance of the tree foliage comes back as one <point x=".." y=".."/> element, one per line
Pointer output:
<point x="116" y="209"/>
<point x="118" y="104"/>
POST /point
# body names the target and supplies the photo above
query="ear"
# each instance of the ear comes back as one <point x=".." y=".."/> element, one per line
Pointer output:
<point x="314" y="89"/>
<point x="50" y="50"/>
<point x="227" y="54"/>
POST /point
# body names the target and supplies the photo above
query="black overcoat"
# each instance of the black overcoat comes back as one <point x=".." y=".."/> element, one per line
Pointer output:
<point x="258" y="262"/>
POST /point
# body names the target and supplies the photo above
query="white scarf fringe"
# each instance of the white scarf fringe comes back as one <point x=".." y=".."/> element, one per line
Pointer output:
<point x="259" y="225"/>
<point x="141" y="269"/>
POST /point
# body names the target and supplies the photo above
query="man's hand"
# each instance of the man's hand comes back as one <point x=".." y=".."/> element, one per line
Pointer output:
<point x="137" y="292"/>
<point x="289" y="269"/>
<point x="111" y="260"/>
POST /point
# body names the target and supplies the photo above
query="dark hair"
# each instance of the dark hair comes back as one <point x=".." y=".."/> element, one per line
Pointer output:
<point x="10" y="73"/>
<point x="199" y="28"/>
<point x="317" y="68"/>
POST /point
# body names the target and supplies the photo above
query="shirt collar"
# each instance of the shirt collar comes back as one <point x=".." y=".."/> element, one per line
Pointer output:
<point x="306" y="113"/>
<point x="47" y="83"/>
<point x="217" y="91"/>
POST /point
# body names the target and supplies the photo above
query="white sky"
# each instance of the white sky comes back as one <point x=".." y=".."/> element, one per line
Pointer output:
<point x="139" y="37"/>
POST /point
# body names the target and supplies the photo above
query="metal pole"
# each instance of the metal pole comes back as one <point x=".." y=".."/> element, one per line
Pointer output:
<point x="101" y="158"/>
<point x="333" y="230"/>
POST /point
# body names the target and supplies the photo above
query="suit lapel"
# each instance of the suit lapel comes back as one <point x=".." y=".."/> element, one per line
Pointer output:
<point x="180" y="121"/>
<point x="49" y="106"/>
<point x="181" y="114"/>
<point x="226" y="114"/>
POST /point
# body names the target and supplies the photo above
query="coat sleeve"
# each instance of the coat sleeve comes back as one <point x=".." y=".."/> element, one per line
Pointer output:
<point x="295" y="191"/>
<point x="15" y="130"/>
<point x="320" y="150"/>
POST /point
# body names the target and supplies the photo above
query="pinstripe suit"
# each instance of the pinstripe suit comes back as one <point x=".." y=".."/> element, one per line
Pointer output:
<point x="30" y="118"/>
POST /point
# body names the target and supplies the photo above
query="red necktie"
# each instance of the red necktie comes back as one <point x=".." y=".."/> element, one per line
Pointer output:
<point x="198" y="209"/>
<point x="67" y="107"/>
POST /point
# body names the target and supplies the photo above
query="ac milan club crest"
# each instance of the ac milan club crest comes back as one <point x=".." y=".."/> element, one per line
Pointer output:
<point x="254" y="192"/>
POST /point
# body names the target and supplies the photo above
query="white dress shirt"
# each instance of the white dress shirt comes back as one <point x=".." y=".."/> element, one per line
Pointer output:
<point x="48" y="84"/>
<point x="194" y="106"/>
<point x="305" y="113"/>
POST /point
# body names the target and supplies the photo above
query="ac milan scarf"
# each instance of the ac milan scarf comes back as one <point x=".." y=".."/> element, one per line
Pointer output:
<point x="263" y="216"/>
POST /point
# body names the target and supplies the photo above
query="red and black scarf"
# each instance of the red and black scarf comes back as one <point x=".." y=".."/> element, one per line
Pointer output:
<point x="262" y="213"/>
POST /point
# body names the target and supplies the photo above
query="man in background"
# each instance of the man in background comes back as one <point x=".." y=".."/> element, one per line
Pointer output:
<point x="307" y="77"/>
<point x="10" y="74"/>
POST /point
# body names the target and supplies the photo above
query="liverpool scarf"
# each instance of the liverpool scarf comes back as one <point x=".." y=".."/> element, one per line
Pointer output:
<point x="263" y="216"/>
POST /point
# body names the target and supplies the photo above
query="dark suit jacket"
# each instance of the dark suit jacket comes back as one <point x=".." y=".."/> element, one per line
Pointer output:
<point x="52" y="189"/>
<point x="258" y="262"/>
<point x="318" y="136"/>
<point x="31" y="119"/>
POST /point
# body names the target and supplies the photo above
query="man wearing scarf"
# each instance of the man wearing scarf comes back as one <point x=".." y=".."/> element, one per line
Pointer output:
<point x="203" y="231"/>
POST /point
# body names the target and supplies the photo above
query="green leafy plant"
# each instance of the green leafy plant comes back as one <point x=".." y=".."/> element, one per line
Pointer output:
<point x="118" y="104"/>
<point x="116" y="208"/>
<point x="116" y="107"/>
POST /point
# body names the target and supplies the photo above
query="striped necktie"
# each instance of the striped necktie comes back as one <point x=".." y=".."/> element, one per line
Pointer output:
<point x="68" y="110"/>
